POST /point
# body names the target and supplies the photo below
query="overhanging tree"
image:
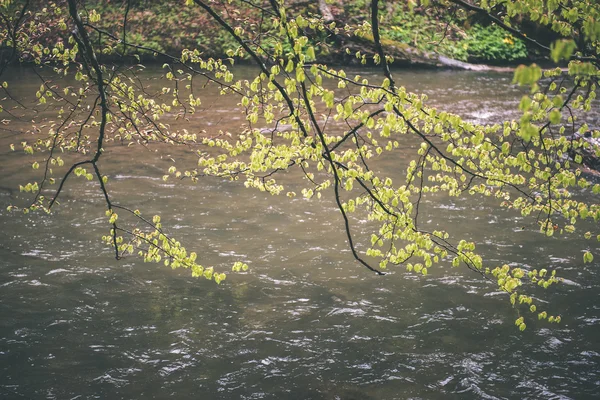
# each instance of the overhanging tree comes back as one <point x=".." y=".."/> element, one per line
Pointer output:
<point x="532" y="166"/>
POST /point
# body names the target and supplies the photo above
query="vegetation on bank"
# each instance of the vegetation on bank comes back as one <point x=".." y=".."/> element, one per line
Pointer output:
<point x="158" y="27"/>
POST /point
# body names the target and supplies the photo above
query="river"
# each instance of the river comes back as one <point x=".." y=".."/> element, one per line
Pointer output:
<point x="306" y="321"/>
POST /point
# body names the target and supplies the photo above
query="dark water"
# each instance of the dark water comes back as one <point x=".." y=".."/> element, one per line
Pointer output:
<point x="306" y="321"/>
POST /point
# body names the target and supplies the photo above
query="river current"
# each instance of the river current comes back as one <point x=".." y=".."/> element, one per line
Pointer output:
<point x="306" y="321"/>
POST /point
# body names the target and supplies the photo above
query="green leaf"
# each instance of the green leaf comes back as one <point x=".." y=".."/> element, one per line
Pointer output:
<point x="532" y="308"/>
<point x="562" y="50"/>
<point x="522" y="327"/>
<point x="555" y="116"/>
<point x="527" y="75"/>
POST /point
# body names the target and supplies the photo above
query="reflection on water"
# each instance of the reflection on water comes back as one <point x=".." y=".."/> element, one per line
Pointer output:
<point x="306" y="322"/>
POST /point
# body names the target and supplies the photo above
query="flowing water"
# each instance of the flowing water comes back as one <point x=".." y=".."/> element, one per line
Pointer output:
<point x="306" y="321"/>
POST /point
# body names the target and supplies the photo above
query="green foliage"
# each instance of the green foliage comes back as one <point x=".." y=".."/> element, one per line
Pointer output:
<point x="492" y="43"/>
<point x="562" y="50"/>
<point x="452" y="36"/>
<point x="428" y="34"/>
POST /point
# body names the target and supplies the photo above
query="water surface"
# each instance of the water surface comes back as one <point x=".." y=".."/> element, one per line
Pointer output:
<point x="306" y="321"/>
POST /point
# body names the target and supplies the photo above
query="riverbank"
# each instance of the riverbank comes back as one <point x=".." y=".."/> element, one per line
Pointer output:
<point x="413" y="36"/>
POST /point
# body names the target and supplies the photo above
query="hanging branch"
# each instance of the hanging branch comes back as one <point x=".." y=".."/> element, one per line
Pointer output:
<point x="88" y="54"/>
